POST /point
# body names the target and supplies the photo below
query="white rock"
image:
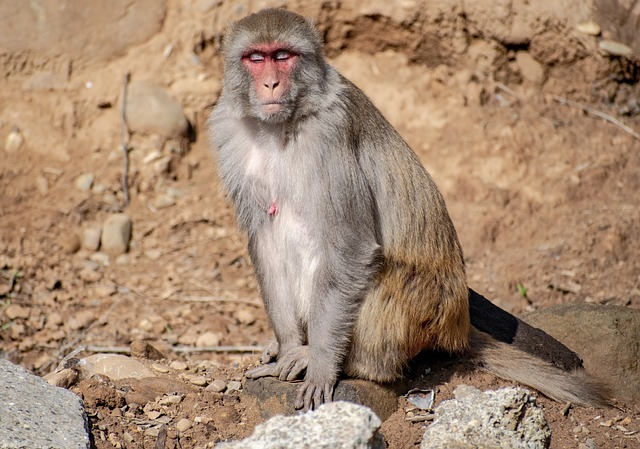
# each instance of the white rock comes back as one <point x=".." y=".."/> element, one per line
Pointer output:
<point x="116" y="366"/>
<point x="615" y="48"/>
<point x="13" y="141"/>
<point x="183" y="425"/>
<point x="84" y="182"/>
<point x="116" y="232"/>
<point x="590" y="27"/>
<point x="336" y="424"/>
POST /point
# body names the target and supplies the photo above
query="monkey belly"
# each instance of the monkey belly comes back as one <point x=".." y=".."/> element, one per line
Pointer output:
<point x="403" y="315"/>
<point x="287" y="233"/>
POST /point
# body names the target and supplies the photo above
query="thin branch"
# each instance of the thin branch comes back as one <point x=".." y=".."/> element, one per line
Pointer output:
<point x="597" y="113"/>
<point x="123" y="140"/>
<point x="508" y="90"/>
<point x="250" y="302"/>
<point x="178" y="349"/>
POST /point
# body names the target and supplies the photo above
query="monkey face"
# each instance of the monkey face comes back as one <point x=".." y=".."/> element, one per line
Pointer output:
<point x="271" y="67"/>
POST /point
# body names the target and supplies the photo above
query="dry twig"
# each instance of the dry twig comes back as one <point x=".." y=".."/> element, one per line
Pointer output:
<point x="123" y="140"/>
<point x="595" y="112"/>
<point x="250" y="302"/>
<point x="178" y="349"/>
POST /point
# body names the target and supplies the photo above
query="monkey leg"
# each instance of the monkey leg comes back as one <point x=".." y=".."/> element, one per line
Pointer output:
<point x="405" y="314"/>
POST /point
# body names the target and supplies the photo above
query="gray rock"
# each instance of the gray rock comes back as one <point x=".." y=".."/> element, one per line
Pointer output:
<point x="150" y="110"/>
<point x="606" y="337"/>
<point x="36" y="414"/>
<point x="503" y="419"/>
<point x="274" y="397"/>
<point x="336" y="424"/>
<point x="116" y="232"/>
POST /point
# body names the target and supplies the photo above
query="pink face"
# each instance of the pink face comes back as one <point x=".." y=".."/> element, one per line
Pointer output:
<point x="270" y="66"/>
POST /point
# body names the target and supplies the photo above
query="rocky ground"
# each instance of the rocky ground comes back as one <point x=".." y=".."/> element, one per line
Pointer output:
<point x="502" y="101"/>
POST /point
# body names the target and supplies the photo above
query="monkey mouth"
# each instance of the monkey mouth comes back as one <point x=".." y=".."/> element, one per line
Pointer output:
<point x="273" y="107"/>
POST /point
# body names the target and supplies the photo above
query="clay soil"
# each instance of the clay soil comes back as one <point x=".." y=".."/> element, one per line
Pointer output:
<point x="545" y="198"/>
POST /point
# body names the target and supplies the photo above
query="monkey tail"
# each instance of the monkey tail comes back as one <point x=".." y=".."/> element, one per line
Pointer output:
<point x="509" y="362"/>
<point x="512" y="349"/>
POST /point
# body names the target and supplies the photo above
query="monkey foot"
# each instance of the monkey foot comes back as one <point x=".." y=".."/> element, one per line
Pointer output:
<point x="312" y="396"/>
<point x="289" y="365"/>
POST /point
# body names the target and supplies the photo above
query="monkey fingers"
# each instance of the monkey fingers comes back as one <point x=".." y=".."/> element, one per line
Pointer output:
<point x="293" y="362"/>
<point x="270" y="352"/>
<point x="311" y="396"/>
<point x="268" y="370"/>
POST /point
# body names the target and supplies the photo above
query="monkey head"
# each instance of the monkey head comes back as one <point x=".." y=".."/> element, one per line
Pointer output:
<point x="273" y="64"/>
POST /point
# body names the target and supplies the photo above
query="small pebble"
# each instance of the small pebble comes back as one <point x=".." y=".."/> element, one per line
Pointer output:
<point x="217" y="386"/>
<point x="183" y="424"/>
<point x="200" y="381"/>
<point x="13" y="141"/>
<point x="163" y="201"/>
<point x="15" y="311"/>
<point x="615" y="48"/>
<point x="244" y="316"/>
<point x="154" y="414"/>
<point x="208" y="339"/>
<point x="234" y="385"/>
<point x="159" y="368"/>
<point x="591" y="28"/>
<point x="84" y="182"/>
<point x="178" y="365"/>
<point x="116" y="233"/>
<point x="171" y="399"/>
<point x="91" y="238"/>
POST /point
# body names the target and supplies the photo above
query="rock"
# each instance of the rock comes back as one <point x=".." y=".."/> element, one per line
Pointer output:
<point x="234" y="385"/>
<point x="13" y="141"/>
<point x="150" y="110"/>
<point x="615" y="48"/>
<point x="64" y="378"/>
<point x="244" y="316"/>
<point x="84" y="182"/>
<point x="589" y="27"/>
<point x="530" y="69"/>
<point x="183" y="425"/>
<point x="43" y="185"/>
<point x="208" y="339"/>
<point x="143" y="349"/>
<point x="91" y="238"/>
<point x="15" y="311"/>
<point x="116" y="233"/>
<point x="71" y="244"/>
<point x="36" y="414"/>
<point x="272" y="396"/>
<point x="163" y="201"/>
<point x="606" y="337"/>
<point x="142" y="391"/>
<point x="200" y="381"/>
<point x="217" y="386"/>
<point x="178" y="365"/>
<point x="505" y="418"/>
<point x="115" y="367"/>
<point x="336" y="424"/>
<point x="61" y="28"/>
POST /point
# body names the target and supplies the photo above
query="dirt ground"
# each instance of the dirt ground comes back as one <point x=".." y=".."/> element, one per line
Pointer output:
<point x="545" y="198"/>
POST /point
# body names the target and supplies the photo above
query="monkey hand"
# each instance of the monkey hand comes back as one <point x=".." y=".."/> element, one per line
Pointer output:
<point x="313" y="393"/>
<point x="289" y="365"/>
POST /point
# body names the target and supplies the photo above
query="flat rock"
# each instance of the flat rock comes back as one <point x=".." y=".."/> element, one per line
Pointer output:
<point x="507" y="418"/>
<point x="606" y="337"/>
<point x="274" y="397"/>
<point x="61" y="27"/>
<point x="116" y="366"/>
<point x="150" y="110"/>
<point x="36" y="414"/>
<point x="334" y="425"/>
<point x="116" y="232"/>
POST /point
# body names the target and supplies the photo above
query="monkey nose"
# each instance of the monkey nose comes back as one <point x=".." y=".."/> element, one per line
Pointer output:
<point x="271" y="84"/>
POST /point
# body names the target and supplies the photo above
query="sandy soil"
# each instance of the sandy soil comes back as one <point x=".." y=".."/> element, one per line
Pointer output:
<point x="544" y="197"/>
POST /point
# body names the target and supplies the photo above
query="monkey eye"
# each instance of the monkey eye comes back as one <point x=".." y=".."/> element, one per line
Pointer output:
<point x="282" y="55"/>
<point x="256" y="57"/>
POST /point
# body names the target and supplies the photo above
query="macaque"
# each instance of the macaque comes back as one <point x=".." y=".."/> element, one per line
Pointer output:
<point x="357" y="259"/>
